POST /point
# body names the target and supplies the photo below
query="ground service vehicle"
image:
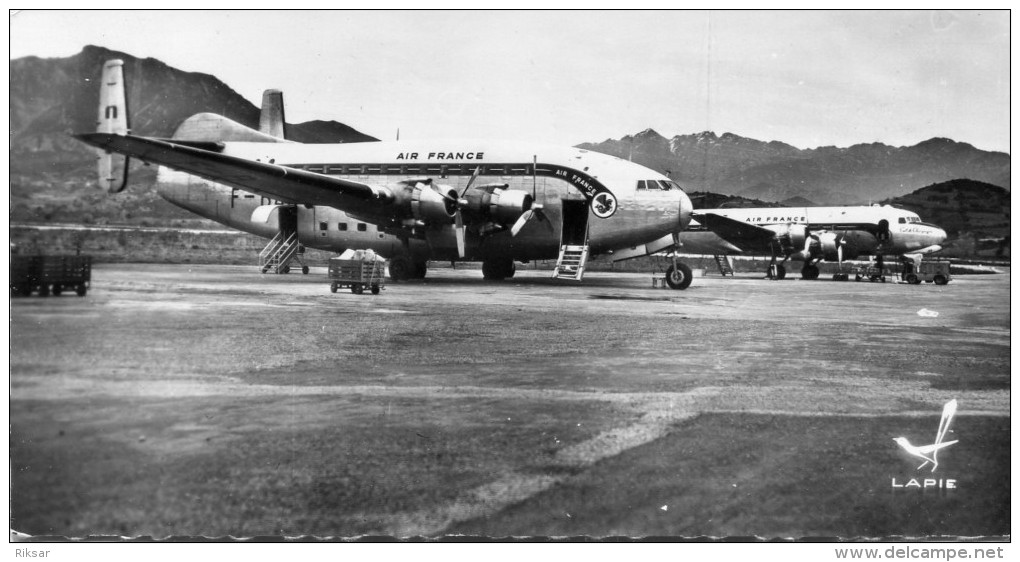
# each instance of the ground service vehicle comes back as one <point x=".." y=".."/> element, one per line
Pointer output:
<point x="47" y="274"/>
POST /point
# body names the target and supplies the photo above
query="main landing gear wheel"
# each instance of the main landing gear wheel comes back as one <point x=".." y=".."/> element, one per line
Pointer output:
<point x="498" y="270"/>
<point x="679" y="277"/>
<point x="304" y="269"/>
<point x="776" y="272"/>
<point x="420" y="269"/>
<point x="401" y="269"/>
<point x="810" y="271"/>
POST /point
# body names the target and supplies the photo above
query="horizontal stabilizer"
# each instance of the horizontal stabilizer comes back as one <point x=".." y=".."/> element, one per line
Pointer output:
<point x="210" y="127"/>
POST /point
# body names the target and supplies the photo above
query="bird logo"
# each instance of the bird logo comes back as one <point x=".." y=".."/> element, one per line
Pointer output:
<point x="604" y="204"/>
<point x="930" y="452"/>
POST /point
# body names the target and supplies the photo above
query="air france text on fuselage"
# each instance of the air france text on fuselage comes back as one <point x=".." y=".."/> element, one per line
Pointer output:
<point x="771" y="220"/>
<point x="442" y="156"/>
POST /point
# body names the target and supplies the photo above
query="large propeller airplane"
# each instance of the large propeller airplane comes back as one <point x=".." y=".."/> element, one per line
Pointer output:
<point x="811" y="234"/>
<point x="459" y="200"/>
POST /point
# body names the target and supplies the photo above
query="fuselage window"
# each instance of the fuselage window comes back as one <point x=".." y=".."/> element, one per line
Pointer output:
<point x="323" y="225"/>
<point x="343" y="226"/>
<point x="362" y="227"/>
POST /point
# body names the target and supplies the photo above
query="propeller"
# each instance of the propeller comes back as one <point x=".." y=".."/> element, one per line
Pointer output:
<point x="536" y="208"/>
<point x="458" y="218"/>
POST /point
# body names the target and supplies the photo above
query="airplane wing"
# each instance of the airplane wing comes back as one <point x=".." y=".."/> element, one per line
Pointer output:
<point x="282" y="183"/>
<point x="746" y="236"/>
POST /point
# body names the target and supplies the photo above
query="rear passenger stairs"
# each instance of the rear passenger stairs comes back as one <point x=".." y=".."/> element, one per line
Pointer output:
<point x="280" y="251"/>
<point x="571" y="262"/>
<point x="725" y="264"/>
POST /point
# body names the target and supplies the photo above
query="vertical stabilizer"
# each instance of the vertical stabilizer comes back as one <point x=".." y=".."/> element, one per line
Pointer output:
<point x="271" y="120"/>
<point x="113" y="119"/>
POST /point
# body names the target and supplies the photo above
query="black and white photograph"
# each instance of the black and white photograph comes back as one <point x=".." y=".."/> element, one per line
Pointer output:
<point x="705" y="277"/>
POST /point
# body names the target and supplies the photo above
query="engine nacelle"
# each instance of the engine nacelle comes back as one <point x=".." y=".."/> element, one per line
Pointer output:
<point x="790" y="238"/>
<point x="429" y="206"/>
<point x="500" y="205"/>
<point x="506" y="205"/>
<point x="828" y="244"/>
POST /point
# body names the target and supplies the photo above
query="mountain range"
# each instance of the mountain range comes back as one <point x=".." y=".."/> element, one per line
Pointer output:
<point x="50" y="98"/>
<point x="776" y="171"/>
<point x="52" y="175"/>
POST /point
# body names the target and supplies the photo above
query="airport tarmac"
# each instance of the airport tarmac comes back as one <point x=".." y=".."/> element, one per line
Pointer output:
<point x="212" y="400"/>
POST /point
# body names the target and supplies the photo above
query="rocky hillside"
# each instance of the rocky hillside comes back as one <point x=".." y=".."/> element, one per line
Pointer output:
<point x="775" y="171"/>
<point x="52" y="175"/>
<point x="50" y="98"/>
<point x="975" y="215"/>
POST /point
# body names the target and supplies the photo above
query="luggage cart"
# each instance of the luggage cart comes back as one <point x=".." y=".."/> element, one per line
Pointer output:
<point x="358" y="270"/>
<point x="50" y="274"/>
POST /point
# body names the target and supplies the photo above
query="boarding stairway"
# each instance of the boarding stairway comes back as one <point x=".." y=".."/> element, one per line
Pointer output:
<point x="570" y="264"/>
<point x="725" y="264"/>
<point x="280" y="251"/>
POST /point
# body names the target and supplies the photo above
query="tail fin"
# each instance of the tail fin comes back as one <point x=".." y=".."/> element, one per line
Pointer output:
<point x="113" y="118"/>
<point x="271" y="121"/>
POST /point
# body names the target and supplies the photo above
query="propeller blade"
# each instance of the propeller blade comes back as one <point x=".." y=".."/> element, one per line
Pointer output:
<point x="533" y="212"/>
<point x="470" y="181"/>
<point x="459" y="231"/>
<point x="524" y="218"/>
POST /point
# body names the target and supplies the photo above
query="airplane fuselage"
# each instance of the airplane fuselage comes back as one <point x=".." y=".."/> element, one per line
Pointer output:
<point x="581" y="192"/>
<point x="869" y="230"/>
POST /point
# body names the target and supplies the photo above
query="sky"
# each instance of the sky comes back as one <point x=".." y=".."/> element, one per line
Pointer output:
<point x="807" y="78"/>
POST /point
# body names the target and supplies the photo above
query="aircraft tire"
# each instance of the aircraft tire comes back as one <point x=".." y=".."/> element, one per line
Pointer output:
<point x="775" y="272"/>
<point x="421" y="268"/>
<point x="809" y="272"/>
<point x="498" y="270"/>
<point x="401" y="269"/>
<point x="679" y="278"/>
<point x="375" y="289"/>
<point x="304" y="270"/>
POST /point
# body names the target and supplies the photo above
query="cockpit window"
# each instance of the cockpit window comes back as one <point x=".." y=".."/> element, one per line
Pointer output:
<point x="909" y="220"/>
<point x="658" y="184"/>
<point x="903" y="220"/>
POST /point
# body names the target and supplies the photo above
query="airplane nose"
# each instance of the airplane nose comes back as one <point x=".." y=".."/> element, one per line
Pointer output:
<point x="686" y="208"/>
<point x="939" y="236"/>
